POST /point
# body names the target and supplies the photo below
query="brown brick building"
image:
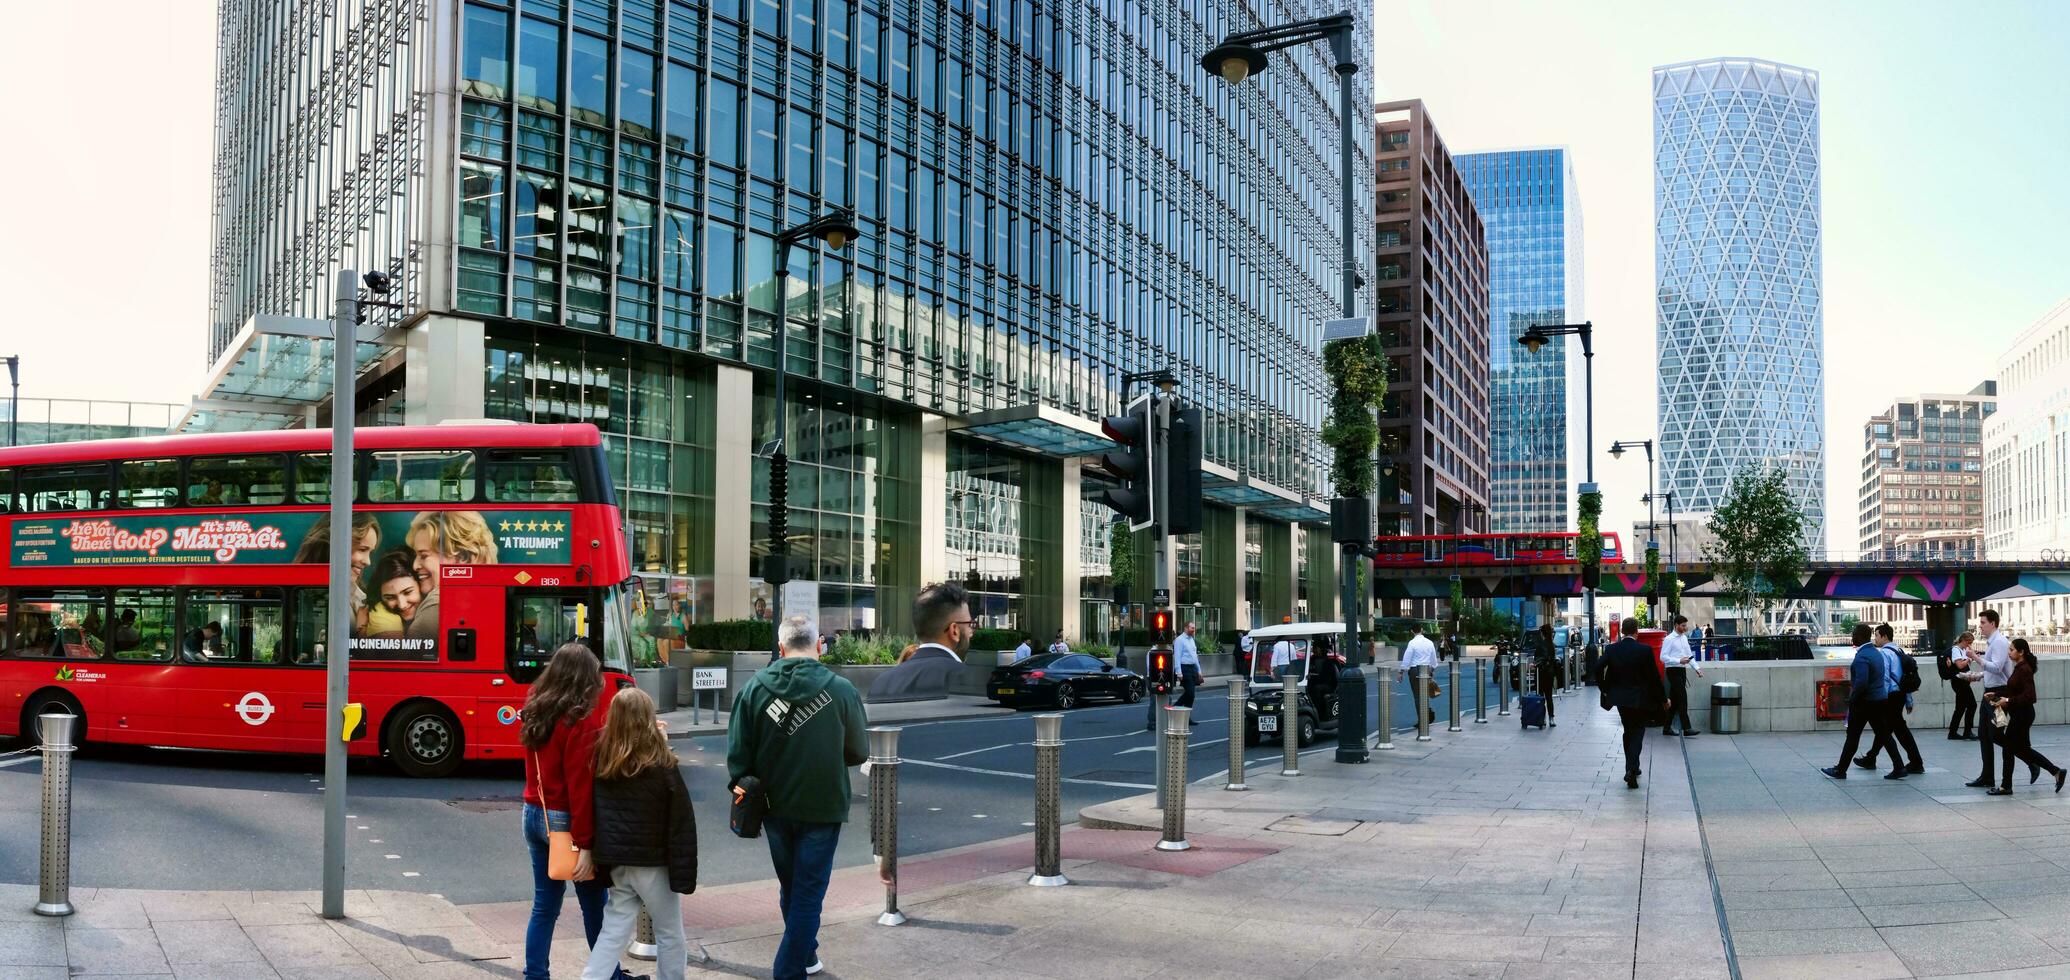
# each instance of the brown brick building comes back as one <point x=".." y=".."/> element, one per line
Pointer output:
<point x="1431" y="301"/>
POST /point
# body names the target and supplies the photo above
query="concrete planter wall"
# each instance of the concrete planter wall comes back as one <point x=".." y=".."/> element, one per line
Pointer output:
<point x="1780" y="695"/>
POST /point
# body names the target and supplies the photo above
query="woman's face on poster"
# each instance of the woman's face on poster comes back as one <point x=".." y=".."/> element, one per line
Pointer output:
<point x="400" y="596"/>
<point x="428" y="559"/>
<point x="363" y="550"/>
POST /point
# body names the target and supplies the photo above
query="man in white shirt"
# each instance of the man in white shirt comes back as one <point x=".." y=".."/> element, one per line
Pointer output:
<point x="1186" y="657"/>
<point x="1677" y="659"/>
<point x="1024" y="651"/>
<point x="1058" y="646"/>
<point x="1994" y="668"/>
<point x="1420" y="653"/>
<point x="1282" y="657"/>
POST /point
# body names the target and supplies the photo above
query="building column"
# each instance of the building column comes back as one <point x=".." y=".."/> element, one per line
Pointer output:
<point x="1242" y="617"/>
<point x="445" y="370"/>
<point x="1295" y="542"/>
<point x="934" y="499"/>
<point x="1322" y="578"/>
<point x="1276" y="588"/>
<point x="1073" y="564"/>
<point x="733" y="468"/>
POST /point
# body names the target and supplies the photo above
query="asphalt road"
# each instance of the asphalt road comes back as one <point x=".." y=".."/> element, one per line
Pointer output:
<point x="167" y="818"/>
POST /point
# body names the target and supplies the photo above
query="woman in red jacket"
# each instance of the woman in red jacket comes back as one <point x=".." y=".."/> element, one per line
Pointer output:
<point x="563" y="714"/>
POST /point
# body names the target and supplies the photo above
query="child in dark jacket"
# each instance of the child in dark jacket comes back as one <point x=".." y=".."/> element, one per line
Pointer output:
<point x="646" y="838"/>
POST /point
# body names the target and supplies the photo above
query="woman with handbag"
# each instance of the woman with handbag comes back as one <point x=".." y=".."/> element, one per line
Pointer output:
<point x="563" y="714"/>
<point x="2016" y="707"/>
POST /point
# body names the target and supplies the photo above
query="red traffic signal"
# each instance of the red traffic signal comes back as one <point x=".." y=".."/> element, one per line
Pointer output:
<point x="1131" y="464"/>
<point x="1162" y="677"/>
<point x="1161" y="626"/>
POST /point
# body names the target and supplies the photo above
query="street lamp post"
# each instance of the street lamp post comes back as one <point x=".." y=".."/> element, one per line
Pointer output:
<point x="1239" y="56"/>
<point x="14" y="399"/>
<point x="1652" y="543"/>
<point x="1534" y="339"/>
<point x="836" y="229"/>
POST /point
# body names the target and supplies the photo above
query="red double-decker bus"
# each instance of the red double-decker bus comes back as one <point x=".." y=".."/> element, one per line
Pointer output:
<point x="172" y="591"/>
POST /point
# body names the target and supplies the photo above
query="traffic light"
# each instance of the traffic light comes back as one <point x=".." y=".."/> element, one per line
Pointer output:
<point x="1182" y="472"/>
<point x="1133" y="464"/>
<point x="1162" y="677"/>
<point x="1161" y="628"/>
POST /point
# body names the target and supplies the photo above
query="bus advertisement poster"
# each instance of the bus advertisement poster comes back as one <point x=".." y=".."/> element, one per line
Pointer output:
<point x="525" y="537"/>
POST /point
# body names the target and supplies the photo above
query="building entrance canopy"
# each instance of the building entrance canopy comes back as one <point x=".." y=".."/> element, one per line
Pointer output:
<point x="275" y="372"/>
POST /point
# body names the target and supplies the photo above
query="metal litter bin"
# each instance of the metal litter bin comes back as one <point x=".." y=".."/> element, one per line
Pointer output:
<point x="1725" y="708"/>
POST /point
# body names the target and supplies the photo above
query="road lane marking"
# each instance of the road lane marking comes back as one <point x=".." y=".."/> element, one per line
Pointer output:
<point x="24" y="760"/>
<point x="988" y="748"/>
<point x="1024" y="775"/>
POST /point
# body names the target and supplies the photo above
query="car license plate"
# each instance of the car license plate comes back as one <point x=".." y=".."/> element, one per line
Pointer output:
<point x="1268" y="723"/>
<point x="1006" y="690"/>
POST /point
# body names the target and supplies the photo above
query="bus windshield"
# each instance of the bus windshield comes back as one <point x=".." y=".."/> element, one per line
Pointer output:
<point x="617" y="646"/>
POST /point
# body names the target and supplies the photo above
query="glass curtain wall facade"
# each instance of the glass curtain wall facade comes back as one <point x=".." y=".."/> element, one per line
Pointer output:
<point x="1741" y="339"/>
<point x="1531" y="212"/>
<point x="1049" y="195"/>
<point x="46" y="420"/>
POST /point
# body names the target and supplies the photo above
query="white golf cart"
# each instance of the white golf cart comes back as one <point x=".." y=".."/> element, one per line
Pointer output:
<point x="1318" y="674"/>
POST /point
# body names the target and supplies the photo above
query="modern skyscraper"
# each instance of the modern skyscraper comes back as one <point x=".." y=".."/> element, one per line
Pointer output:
<point x="1531" y="211"/>
<point x="578" y="201"/>
<point x="1740" y="333"/>
<point x="1432" y="306"/>
<point x="2027" y="465"/>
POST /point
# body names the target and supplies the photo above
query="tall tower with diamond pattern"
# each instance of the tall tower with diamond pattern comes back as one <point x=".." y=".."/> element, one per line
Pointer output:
<point x="1740" y="299"/>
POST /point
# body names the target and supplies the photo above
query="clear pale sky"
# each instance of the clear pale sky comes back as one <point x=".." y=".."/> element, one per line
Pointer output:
<point x="1946" y="151"/>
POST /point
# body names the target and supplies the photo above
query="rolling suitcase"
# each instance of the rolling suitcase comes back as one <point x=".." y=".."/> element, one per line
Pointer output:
<point x="1531" y="706"/>
<point x="1531" y="711"/>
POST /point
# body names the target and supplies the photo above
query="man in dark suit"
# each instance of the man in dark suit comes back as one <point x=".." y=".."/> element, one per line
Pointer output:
<point x="941" y="616"/>
<point x="1869" y="687"/>
<point x="1631" y="683"/>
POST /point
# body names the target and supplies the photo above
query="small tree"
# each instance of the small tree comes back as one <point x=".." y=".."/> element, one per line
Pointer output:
<point x="1757" y="547"/>
<point x="1848" y="622"/>
<point x="1644" y="615"/>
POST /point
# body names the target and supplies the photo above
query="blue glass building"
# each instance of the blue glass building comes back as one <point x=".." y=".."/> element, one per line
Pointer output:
<point x="577" y="200"/>
<point x="1531" y="211"/>
<point x="1741" y="333"/>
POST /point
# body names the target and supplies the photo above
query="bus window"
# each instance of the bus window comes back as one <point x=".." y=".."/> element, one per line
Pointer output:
<point x="221" y="481"/>
<point x="540" y="623"/>
<point x="148" y="483"/>
<point x="61" y="624"/>
<point x="75" y="486"/>
<point x="145" y="625"/>
<point x="232" y="626"/>
<point x="6" y="502"/>
<point x="421" y="476"/>
<point x="527" y="476"/>
<point x="312" y="626"/>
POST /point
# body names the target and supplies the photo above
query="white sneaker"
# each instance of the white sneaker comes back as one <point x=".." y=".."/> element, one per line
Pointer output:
<point x="815" y="968"/>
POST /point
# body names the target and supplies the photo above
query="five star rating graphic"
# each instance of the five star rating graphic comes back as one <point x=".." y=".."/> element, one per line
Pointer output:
<point x="531" y="525"/>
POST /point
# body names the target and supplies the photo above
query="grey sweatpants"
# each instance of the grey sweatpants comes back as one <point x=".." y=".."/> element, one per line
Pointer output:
<point x="630" y="888"/>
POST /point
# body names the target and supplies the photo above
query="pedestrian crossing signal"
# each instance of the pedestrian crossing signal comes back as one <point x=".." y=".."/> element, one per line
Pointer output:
<point x="1161" y="627"/>
<point x="1161" y="674"/>
<point x="355" y="723"/>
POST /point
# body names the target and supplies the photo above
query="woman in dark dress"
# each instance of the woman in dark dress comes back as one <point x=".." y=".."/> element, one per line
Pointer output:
<point x="2018" y="702"/>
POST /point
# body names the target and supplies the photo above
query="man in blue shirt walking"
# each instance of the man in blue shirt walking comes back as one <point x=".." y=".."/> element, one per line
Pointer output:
<point x="1186" y="657"/>
<point x="1870" y="687"/>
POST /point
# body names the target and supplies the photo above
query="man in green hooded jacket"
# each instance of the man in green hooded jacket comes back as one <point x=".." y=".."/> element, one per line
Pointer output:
<point x="797" y="727"/>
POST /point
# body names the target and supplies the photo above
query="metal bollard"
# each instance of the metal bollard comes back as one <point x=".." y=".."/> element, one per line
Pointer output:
<point x="884" y="815"/>
<point x="1502" y="685"/>
<point x="1237" y="700"/>
<point x="1049" y="765"/>
<point x="1290" y="725"/>
<point x="1452" y="680"/>
<point x="1178" y="725"/>
<point x="643" y="947"/>
<point x="54" y="892"/>
<point x="1480" y="692"/>
<point x="1384" y="674"/>
<point x="1419" y="680"/>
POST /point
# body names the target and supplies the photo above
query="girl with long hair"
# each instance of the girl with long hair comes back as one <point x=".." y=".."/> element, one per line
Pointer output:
<point x="2017" y="742"/>
<point x="559" y="732"/>
<point x="646" y="838"/>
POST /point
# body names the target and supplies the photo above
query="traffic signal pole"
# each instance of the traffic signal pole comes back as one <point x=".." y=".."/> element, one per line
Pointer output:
<point x="1161" y="575"/>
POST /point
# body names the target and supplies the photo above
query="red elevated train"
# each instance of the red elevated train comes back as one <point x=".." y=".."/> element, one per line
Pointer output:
<point x="1535" y="548"/>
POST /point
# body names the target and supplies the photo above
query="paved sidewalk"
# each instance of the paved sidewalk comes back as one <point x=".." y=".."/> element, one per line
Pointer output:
<point x="1870" y="878"/>
<point x="1489" y="853"/>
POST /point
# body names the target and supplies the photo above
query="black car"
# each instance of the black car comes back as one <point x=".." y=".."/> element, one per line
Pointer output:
<point x="1064" y="680"/>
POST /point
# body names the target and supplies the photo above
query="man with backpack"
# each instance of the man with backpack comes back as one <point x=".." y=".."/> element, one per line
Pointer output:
<point x="1899" y="704"/>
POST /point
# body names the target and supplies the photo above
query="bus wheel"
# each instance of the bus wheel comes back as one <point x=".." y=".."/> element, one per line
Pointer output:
<point x="425" y="741"/>
<point x="52" y="701"/>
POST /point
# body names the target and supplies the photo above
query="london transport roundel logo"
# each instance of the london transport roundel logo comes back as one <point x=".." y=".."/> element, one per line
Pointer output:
<point x="507" y="715"/>
<point x="254" y="708"/>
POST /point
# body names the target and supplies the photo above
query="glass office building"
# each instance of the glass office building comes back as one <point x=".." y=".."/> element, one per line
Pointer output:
<point x="1531" y="213"/>
<point x="47" y="420"/>
<point x="577" y="201"/>
<point x="1741" y="339"/>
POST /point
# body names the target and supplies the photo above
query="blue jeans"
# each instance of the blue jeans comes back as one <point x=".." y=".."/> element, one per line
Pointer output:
<point x="547" y="895"/>
<point x="803" y="854"/>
